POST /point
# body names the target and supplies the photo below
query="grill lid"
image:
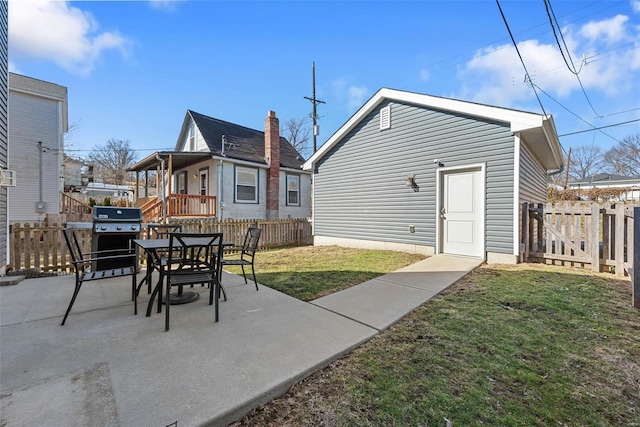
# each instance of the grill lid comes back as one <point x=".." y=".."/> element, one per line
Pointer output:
<point x="116" y="214"/>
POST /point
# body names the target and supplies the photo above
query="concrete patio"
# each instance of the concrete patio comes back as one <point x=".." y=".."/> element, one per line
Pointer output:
<point x="109" y="367"/>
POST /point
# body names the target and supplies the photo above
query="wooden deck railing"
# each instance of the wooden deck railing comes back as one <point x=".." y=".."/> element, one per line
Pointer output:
<point x="180" y="205"/>
<point x="69" y="205"/>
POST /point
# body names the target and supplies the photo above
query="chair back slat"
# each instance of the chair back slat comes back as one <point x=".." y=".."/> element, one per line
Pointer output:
<point x="162" y="231"/>
<point x="72" y="244"/>
<point x="251" y="240"/>
<point x="196" y="250"/>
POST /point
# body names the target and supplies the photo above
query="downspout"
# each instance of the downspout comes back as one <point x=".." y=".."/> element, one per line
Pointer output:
<point x="164" y="202"/>
<point x="220" y="197"/>
<point x="40" y="169"/>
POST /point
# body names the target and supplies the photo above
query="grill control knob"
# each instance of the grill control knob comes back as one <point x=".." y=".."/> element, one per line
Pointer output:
<point x="103" y="227"/>
<point x="119" y="228"/>
<point x="134" y="227"/>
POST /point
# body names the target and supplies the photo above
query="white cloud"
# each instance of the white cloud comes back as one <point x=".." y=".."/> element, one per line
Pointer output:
<point x="55" y="31"/>
<point x="608" y="30"/>
<point x="13" y="68"/>
<point x="635" y="5"/>
<point x="356" y="96"/>
<point x="425" y="75"/>
<point x="353" y="95"/>
<point x="166" y="5"/>
<point x="496" y="76"/>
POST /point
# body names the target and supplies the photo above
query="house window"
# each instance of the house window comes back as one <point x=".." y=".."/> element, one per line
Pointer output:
<point x="192" y="137"/>
<point x="181" y="183"/>
<point x="246" y="185"/>
<point x="385" y="118"/>
<point x="293" y="190"/>
<point x="204" y="182"/>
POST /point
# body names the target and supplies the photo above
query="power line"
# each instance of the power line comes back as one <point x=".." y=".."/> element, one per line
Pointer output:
<point x="600" y="127"/>
<point x="572" y="69"/>
<point x="527" y="76"/>
<point x="445" y="60"/>
<point x="580" y="118"/>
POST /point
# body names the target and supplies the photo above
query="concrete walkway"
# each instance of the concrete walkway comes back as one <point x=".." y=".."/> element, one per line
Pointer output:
<point x="108" y="367"/>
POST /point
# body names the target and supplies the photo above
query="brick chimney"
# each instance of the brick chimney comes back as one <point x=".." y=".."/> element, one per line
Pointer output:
<point x="272" y="153"/>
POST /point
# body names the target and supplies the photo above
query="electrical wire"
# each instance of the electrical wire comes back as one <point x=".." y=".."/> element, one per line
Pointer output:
<point x="600" y="127"/>
<point x="527" y="76"/>
<point x="553" y="20"/>
<point x="574" y="114"/>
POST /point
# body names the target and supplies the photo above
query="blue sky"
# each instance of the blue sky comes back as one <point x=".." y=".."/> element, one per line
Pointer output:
<point x="133" y="68"/>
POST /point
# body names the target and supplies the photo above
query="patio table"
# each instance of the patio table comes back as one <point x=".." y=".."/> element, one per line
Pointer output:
<point x="153" y="248"/>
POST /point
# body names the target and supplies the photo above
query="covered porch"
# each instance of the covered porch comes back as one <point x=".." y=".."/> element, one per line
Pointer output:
<point x="160" y="168"/>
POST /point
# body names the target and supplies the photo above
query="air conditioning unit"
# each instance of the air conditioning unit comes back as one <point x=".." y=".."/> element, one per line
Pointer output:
<point x="7" y="178"/>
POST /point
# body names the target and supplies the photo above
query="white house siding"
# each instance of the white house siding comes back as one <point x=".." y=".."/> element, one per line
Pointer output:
<point x="237" y="210"/>
<point x="32" y="119"/>
<point x="4" y="58"/>
<point x="360" y="190"/>
<point x="302" y="211"/>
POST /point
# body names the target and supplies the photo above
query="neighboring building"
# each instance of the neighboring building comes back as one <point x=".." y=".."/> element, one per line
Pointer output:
<point x="72" y="172"/>
<point x="420" y="173"/>
<point x="4" y="160"/>
<point x="37" y="123"/>
<point x="229" y="171"/>
<point x="609" y="181"/>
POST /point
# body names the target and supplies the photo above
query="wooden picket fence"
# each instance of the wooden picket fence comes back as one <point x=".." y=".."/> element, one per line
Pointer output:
<point x="604" y="238"/>
<point x="41" y="246"/>
<point x="600" y="237"/>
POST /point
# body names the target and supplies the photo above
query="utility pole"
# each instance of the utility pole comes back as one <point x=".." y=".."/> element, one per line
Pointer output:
<point x="566" y="176"/>
<point x="315" y="103"/>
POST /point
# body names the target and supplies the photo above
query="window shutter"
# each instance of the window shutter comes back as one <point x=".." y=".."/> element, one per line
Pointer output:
<point x="385" y="118"/>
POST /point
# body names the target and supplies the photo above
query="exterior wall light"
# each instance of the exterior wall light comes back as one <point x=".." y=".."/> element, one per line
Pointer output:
<point x="411" y="182"/>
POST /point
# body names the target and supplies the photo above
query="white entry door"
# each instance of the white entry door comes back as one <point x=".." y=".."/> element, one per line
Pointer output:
<point x="462" y="212"/>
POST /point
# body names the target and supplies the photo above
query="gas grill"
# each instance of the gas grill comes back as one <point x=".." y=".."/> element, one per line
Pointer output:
<point x="114" y="228"/>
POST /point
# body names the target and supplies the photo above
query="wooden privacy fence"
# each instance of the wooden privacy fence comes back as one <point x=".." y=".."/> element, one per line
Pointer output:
<point x="42" y="246"/>
<point x="275" y="233"/>
<point x="582" y="234"/>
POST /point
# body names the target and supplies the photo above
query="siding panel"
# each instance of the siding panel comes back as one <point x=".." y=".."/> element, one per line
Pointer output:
<point x="360" y="190"/>
<point x="4" y="59"/>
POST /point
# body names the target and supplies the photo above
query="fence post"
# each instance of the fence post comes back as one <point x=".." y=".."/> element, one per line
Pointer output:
<point x="619" y="239"/>
<point x="595" y="237"/>
<point x="523" y="233"/>
<point x="635" y="273"/>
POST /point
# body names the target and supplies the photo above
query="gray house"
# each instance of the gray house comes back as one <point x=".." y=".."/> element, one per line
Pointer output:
<point x="420" y="173"/>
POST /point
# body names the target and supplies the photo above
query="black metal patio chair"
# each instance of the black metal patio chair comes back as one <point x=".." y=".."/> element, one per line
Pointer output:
<point x="247" y="253"/>
<point x="200" y="255"/>
<point x="157" y="231"/>
<point x="85" y="266"/>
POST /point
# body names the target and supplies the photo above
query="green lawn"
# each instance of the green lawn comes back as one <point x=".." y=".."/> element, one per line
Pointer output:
<point x="310" y="272"/>
<point x="527" y="345"/>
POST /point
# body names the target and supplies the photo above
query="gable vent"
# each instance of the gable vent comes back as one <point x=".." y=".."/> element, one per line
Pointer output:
<point x="385" y="118"/>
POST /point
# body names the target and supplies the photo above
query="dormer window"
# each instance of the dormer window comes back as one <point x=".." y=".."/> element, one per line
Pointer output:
<point x="385" y="118"/>
<point x="192" y="137"/>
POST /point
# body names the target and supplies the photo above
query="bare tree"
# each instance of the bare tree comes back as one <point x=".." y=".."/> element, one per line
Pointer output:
<point x="298" y="135"/>
<point x="585" y="162"/>
<point x="624" y="158"/>
<point x="112" y="160"/>
<point x="69" y="136"/>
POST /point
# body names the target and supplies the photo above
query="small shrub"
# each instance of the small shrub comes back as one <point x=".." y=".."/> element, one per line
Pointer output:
<point x="106" y="201"/>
